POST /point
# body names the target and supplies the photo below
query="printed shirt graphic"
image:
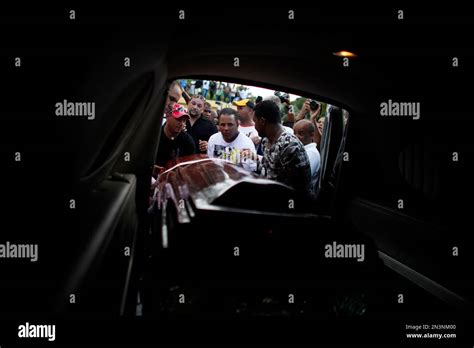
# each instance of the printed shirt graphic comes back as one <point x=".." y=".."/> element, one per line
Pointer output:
<point x="219" y="148"/>
<point x="286" y="161"/>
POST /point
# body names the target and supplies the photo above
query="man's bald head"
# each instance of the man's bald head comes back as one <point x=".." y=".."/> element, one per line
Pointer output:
<point x="304" y="130"/>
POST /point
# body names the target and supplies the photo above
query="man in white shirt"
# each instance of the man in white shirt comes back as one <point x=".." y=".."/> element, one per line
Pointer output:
<point x="228" y="142"/>
<point x="243" y="93"/>
<point x="205" y="87"/>
<point x="304" y="131"/>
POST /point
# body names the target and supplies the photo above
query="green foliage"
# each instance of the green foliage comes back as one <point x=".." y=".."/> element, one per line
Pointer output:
<point x="298" y="103"/>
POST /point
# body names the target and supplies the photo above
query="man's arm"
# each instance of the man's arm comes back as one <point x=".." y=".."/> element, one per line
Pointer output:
<point x="210" y="148"/>
<point x="314" y="117"/>
<point x="203" y="144"/>
<point x="250" y="143"/>
<point x="304" y="110"/>
<point x="298" y="169"/>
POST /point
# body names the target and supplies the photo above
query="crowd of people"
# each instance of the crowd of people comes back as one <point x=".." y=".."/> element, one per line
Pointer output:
<point x="251" y="135"/>
<point x="215" y="90"/>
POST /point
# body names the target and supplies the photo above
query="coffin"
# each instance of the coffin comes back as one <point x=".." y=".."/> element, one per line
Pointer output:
<point x="200" y="183"/>
<point x="226" y="238"/>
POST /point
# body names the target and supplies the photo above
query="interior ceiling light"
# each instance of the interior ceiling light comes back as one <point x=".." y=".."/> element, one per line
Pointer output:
<point x="345" y="54"/>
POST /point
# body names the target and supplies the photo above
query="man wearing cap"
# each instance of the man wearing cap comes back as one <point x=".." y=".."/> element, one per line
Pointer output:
<point x="174" y="142"/>
<point x="247" y="126"/>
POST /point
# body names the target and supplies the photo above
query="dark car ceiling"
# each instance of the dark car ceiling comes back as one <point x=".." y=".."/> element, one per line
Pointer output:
<point x="84" y="60"/>
<point x="292" y="74"/>
<point x="272" y="49"/>
<point x="397" y="59"/>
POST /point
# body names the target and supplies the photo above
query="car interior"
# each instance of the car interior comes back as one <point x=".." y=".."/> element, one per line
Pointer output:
<point x="81" y="190"/>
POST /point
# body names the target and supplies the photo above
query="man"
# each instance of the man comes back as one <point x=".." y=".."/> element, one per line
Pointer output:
<point x="174" y="142"/>
<point x="198" y="87"/>
<point x="198" y="127"/>
<point x="212" y="89"/>
<point x="314" y="115"/>
<point x="233" y="92"/>
<point x="205" y="88"/>
<point x="192" y="88"/>
<point x="229" y="142"/>
<point x="207" y="111"/>
<point x="284" y="156"/>
<point x="214" y="117"/>
<point x="219" y="91"/>
<point x="243" y="92"/>
<point x="287" y="118"/>
<point x="247" y="126"/>
<point x="227" y="98"/>
<point x="174" y="94"/>
<point x="277" y="101"/>
<point x="304" y="131"/>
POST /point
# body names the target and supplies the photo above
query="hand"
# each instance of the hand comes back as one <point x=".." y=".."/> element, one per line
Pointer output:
<point x="306" y="107"/>
<point x="202" y="146"/>
<point x="291" y="117"/>
<point x="314" y="115"/>
<point x="248" y="154"/>
<point x="304" y="110"/>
